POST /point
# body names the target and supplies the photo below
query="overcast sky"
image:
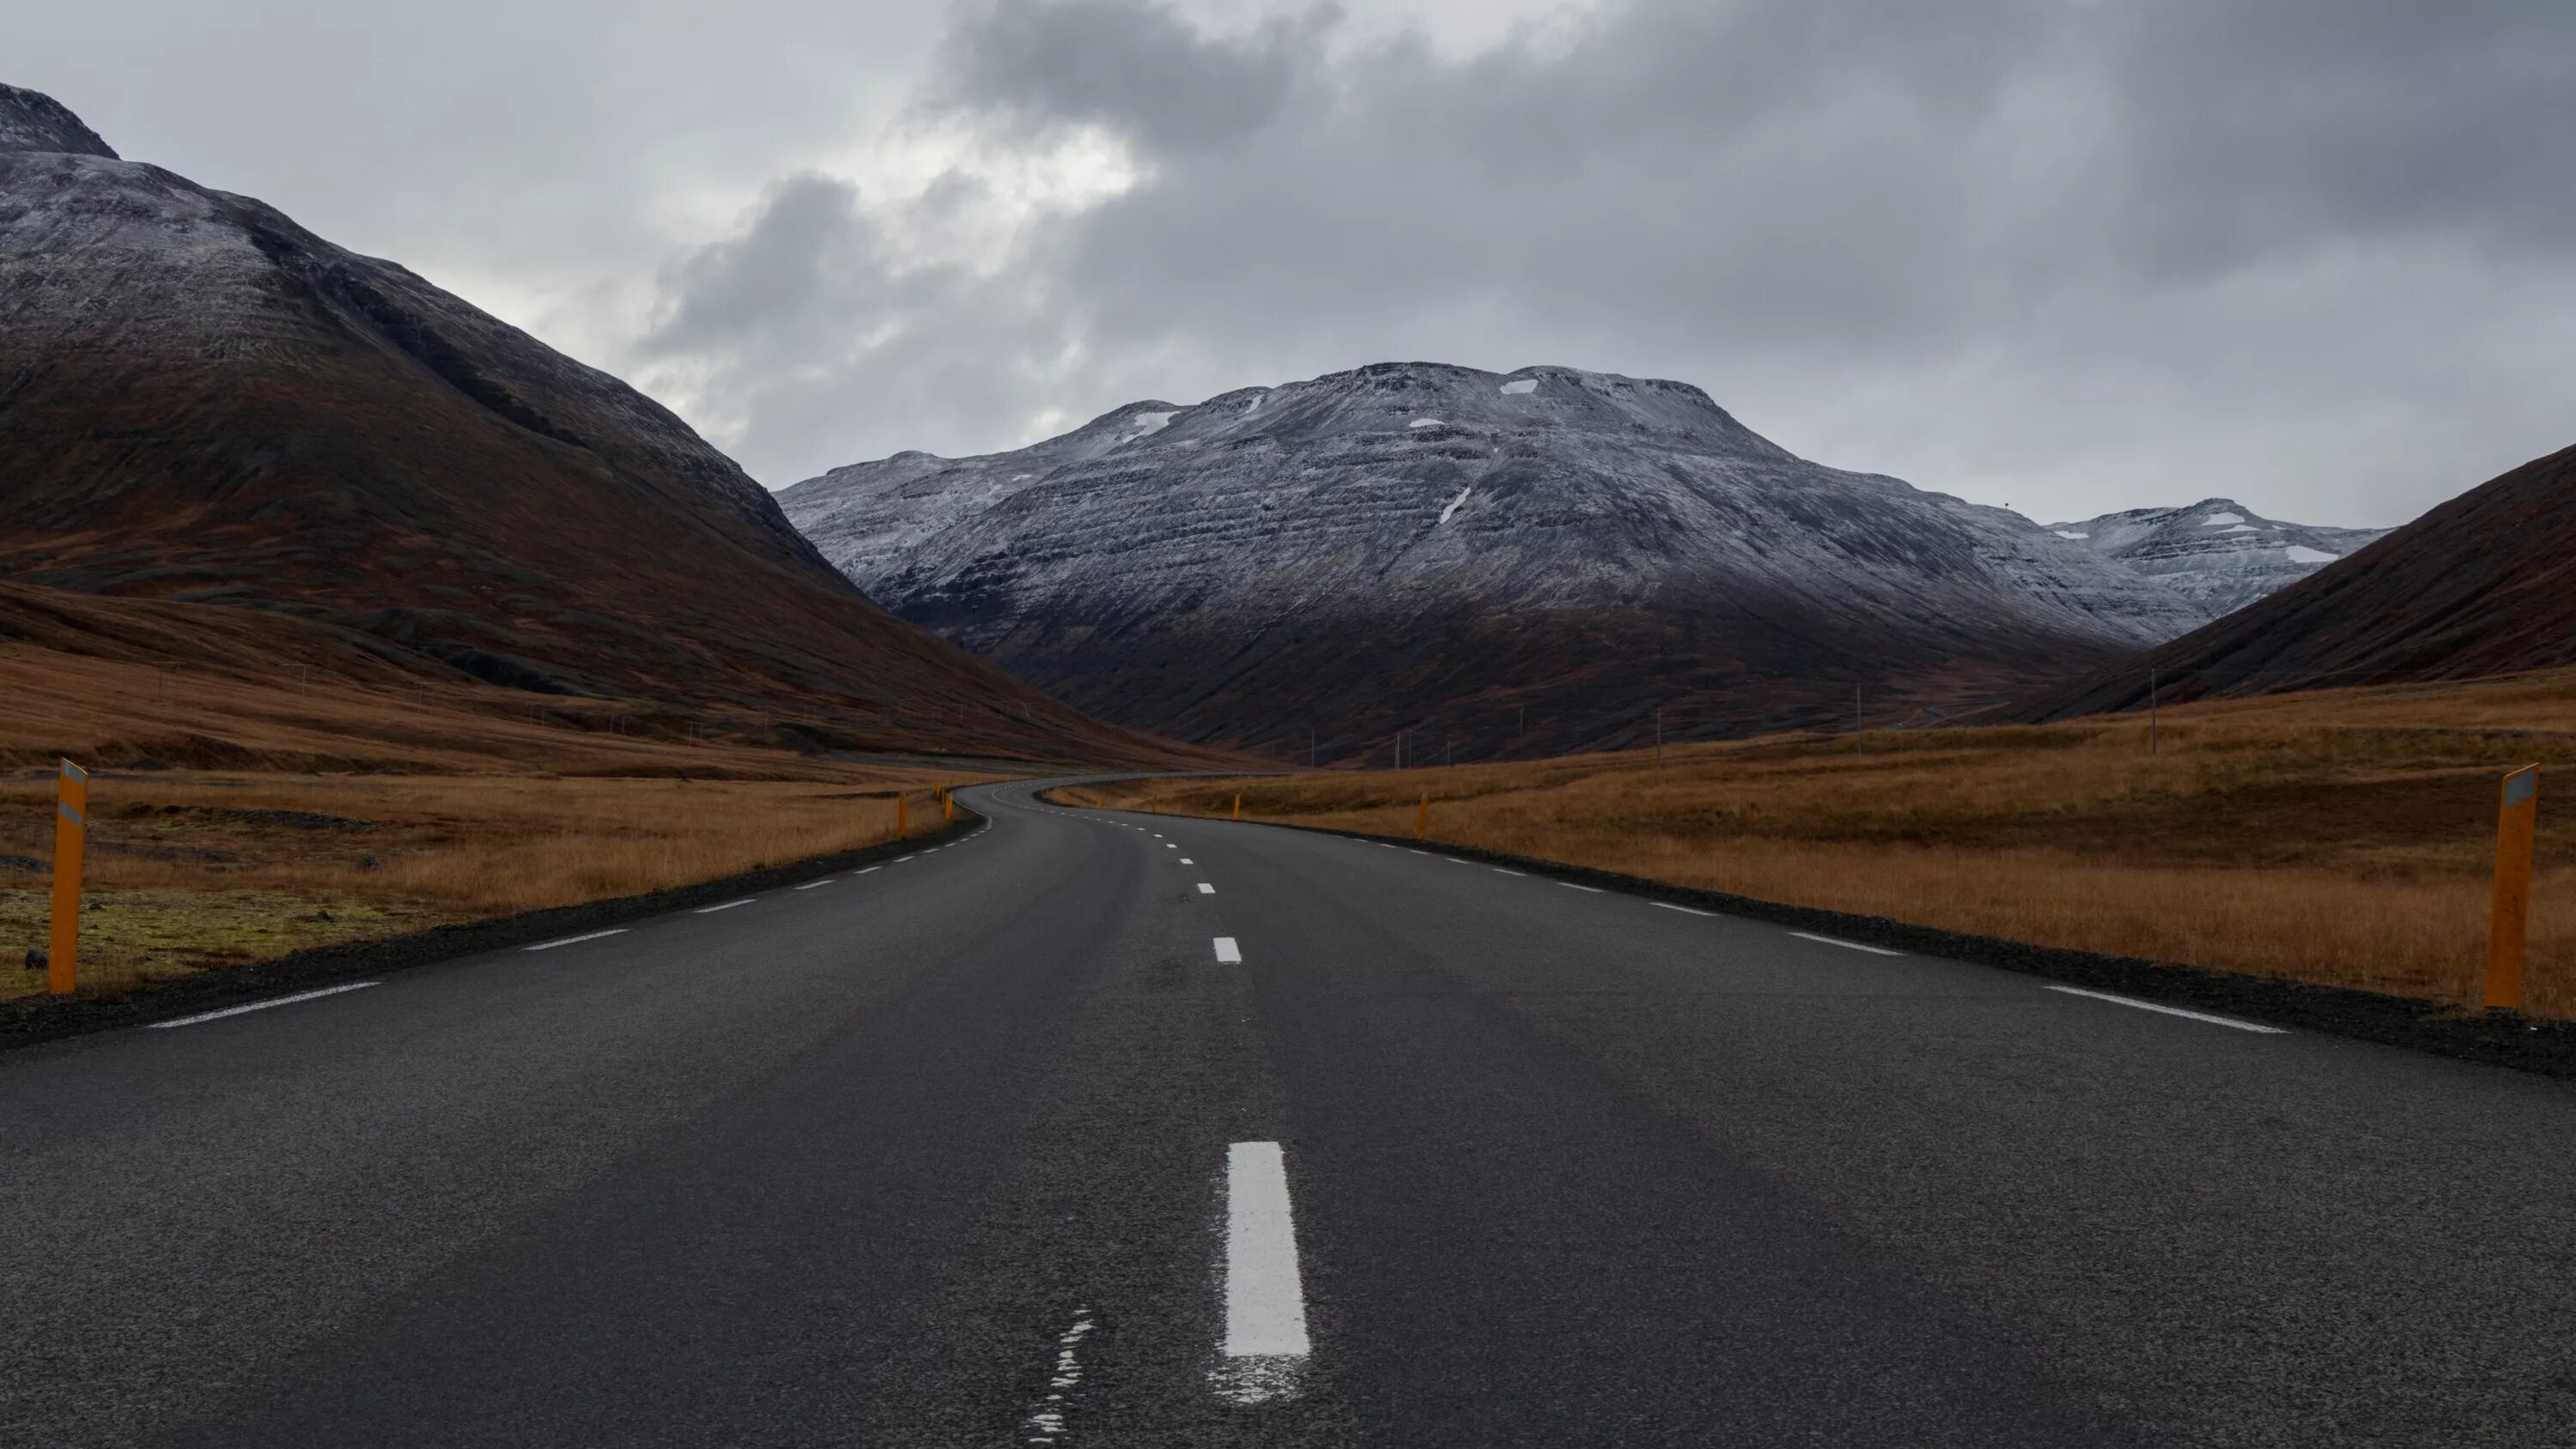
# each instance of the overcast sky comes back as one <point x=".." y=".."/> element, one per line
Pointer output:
<point x="2071" y="255"/>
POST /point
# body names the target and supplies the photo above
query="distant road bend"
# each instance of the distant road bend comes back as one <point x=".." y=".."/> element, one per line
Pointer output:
<point x="1123" y="1130"/>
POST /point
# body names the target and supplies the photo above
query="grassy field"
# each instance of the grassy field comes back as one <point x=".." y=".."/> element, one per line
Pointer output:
<point x="237" y="817"/>
<point x="2343" y="837"/>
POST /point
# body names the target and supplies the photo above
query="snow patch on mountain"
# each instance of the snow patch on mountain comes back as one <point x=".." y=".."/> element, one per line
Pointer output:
<point x="2217" y="553"/>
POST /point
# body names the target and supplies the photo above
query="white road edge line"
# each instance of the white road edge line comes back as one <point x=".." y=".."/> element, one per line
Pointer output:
<point x="818" y="884"/>
<point x="1185" y="860"/>
<point x="1846" y="945"/>
<point x="1569" y="885"/>
<point x="1228" y="953"/>
<point x="258" y="1006"/>
<point x="1265" y="1296"/>
<point x="2175" y="1011"/>
<point x="572" y="940"/>
<point x="1498" y="870"/>
<point x="871" y="870"/>
<point x="729" y="905"/>
<point x="1205" y="889"/>
<point x="1685" y="910"/>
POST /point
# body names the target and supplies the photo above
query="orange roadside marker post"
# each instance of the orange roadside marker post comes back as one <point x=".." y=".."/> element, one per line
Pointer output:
<point x="902" y="829"/>
<point x="947" y="806"/>
<point x="1238" y="807"/>
<point x="71" y="832"/>
<point x="1422" y="818"/>
<point x="2516" y="821"/>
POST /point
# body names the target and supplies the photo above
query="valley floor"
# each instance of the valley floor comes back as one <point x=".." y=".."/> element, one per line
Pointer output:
<point x="2344" y="837"/>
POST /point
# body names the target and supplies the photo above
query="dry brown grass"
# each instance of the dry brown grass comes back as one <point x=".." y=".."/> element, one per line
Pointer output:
<point x="2342" y="837"/>
<point x="331" y="810"/>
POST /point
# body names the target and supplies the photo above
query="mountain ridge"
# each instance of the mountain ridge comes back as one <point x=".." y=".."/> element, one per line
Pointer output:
<point x="202" y="401"/>
<point x="1488" y="539"/>
<point x="2483" y="584"/>
<point x="2217" y="552"/>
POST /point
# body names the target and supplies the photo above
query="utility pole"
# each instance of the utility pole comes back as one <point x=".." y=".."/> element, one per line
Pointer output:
<point x="1659" y="737"/>
<point x="1448" y="751"/>
<point x="1855" y="719"/>
<point x="1310" y="747"/>
<point x="2151" y="711"/>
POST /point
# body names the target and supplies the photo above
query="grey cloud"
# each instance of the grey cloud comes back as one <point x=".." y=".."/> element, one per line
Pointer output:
<point x="2070" y="254"/>
<point x="806" y="327"/>
<point x="1137" y="68"/>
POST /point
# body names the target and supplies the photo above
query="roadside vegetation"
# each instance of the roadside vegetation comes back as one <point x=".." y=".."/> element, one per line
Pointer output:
<point x="237" y="818"/>
<point x="2344" y="837"/>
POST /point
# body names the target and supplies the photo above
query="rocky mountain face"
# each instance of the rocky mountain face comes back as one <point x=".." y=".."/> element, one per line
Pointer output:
<point x="1454" y="552"/>
<point x="2484" y="584"/>
<point x="2217" y="553"/>
<point x="202" y="401"/>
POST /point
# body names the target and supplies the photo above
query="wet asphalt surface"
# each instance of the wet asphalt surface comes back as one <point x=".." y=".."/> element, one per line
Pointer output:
<point x="935" y="1155"/>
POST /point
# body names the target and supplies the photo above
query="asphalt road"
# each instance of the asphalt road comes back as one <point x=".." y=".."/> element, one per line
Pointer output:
<point x="993" y="1146"/>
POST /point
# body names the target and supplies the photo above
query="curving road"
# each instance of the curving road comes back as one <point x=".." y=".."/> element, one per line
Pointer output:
<point x="1115" y="1130"/>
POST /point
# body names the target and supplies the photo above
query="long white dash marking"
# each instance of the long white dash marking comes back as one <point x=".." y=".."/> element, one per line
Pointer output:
<point x="871" y="870"/>
<point x="1265" y="1345"/>
<point x="1569" y="885"/>
<point x="1498" y="870"/>
<point x="1185" y="860"/>
<point x="2175" y="1011"/>
<point x="1205" y="889"/>
<point x="818" y="884"/>
<point x="259" y="1005"/>
<point x="1228" y="953"/>
<point x="1846" y="945"/>
<point x="1685" y="910"/>
<point x="729" y="905"/>
<point x="574" y="940"/>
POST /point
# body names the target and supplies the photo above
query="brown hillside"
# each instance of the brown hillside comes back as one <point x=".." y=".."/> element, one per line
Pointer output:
<point x="2483" y="585"/>
<point x="202" y="402"/>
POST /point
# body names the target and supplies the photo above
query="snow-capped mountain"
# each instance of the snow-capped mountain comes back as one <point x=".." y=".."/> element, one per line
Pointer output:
<point x="1435" y="547"/>
<point x="2218" y="553"/>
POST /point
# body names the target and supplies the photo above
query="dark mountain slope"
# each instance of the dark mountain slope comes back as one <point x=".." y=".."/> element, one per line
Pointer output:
<point x="201" y="400"/>
<point x="2484" y="584"/>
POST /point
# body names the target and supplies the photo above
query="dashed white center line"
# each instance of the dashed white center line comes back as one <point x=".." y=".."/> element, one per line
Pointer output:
<point x="901" y="859"/>
<point x="1185" y="860"/>
<point x="871" y="870"/>
<point x="2174" y="1011"/>
<point x="1205" y="889"/>
<point x="1685" y="910"/>
<point x="259" y="1005"/>
<point x="573" y="940"/>
<point x="1846" y="945"/>
<point x="1265" y="1345"/>
<point x="1228" y="953"/>
<point x="729" y="905"/>
<point x="1569" y="885"/>
<point x="818" y="884"/>
<point x="1498" y="870"/>
<point x="1167" y="845"/>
